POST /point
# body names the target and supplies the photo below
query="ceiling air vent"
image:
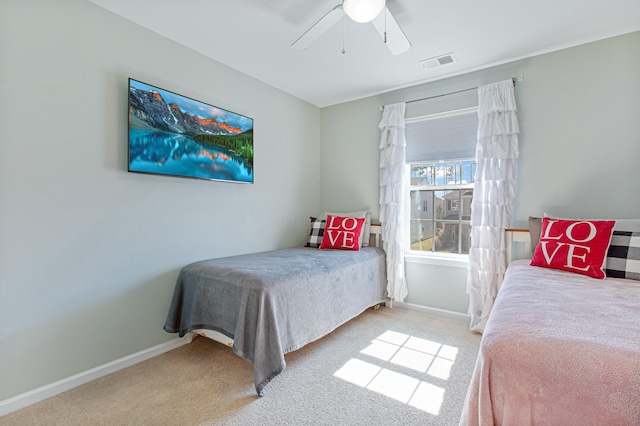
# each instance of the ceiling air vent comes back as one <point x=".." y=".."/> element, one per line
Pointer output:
<point x="438" y="61"/>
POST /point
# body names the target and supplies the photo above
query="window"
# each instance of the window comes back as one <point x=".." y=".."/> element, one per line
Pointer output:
<point x="444" y="225"/>
<point x="441" y="171"/>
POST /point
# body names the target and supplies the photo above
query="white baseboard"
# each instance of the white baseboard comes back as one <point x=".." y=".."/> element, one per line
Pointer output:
<point x="40" y="394"/>
<point x="434" y="311"/>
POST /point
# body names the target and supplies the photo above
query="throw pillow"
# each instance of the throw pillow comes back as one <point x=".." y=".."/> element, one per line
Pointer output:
<point x="342" y="233"/>
<point x="316" y="233"/>
<point x="578" y="246"/>
<point x="623" y="257"/>
<point x="365" y="235"/>
<point x="535" y="228"/>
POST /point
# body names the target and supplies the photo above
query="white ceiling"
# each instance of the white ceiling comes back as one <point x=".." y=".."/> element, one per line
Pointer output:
<point x="253" y="36"/>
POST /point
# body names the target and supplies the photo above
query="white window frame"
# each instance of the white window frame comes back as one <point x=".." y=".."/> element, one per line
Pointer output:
<point x="427" y="257"/>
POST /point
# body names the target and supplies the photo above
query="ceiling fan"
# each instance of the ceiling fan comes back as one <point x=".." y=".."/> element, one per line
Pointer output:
<point x="374" y="11"/>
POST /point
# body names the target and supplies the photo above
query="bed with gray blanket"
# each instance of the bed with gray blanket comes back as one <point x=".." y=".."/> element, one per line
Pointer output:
<point x="275" y="302"/>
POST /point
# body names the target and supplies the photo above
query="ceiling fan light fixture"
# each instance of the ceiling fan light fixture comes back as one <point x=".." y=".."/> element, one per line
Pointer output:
<point x="363" y="10"/>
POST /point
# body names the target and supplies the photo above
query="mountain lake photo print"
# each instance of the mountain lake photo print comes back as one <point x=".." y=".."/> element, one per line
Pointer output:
<point x="170" y="134"/>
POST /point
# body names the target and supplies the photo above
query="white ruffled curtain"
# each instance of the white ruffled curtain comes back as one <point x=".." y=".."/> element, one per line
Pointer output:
<point x="493" y="194"/>
<point x="392" y="159"/>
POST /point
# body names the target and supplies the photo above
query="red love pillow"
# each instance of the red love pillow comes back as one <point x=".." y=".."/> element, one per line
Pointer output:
<point x="578" y="246"/>
<point x="342" y="233"/>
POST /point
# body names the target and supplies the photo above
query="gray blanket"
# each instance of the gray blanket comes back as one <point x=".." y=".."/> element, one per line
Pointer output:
<point x="275" y="302"/>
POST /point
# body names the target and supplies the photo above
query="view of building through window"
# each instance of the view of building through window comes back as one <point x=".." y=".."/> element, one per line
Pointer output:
<point x="440" y="198"/>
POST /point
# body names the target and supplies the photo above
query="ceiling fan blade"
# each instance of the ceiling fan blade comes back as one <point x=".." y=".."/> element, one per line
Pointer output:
<point x="319" y="28"/>
<point x="396" y="41"/>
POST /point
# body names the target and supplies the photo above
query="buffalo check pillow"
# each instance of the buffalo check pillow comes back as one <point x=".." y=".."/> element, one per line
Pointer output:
<point x="623" y="257"/>
<point x="316" y="233"/>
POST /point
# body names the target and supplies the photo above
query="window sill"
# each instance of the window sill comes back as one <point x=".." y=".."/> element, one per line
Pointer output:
<point x="452" y="260"/>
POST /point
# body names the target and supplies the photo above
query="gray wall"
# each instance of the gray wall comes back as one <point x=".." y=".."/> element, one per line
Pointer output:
<point x="89" y="253"/>
<point x="350" y="156"/>
<point x="579" y="113"/>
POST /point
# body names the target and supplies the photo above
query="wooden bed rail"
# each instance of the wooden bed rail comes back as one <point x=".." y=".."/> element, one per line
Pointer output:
<point x="516" y="236"/>
<point x="376" y="232"/>
<point x="512" y="235"/>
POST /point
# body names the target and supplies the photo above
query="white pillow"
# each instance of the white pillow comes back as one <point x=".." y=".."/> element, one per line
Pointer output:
<point x="366" y="229"/>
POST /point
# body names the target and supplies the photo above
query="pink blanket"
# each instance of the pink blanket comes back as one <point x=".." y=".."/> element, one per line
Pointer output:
<point x="558" y="349"/>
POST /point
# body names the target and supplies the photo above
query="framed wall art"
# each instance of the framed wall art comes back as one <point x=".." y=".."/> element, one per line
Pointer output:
<point x="173" y="135"/>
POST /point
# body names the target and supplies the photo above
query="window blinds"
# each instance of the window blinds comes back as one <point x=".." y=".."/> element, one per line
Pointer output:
<point x="442" y="137"/>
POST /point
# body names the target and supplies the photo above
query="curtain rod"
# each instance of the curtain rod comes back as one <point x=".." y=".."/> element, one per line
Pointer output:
<point x="381" y="107"/>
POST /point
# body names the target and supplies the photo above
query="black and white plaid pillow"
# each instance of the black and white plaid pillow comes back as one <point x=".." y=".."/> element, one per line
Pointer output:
<point x="623" y="257"/>
<point x="317" y="232"/>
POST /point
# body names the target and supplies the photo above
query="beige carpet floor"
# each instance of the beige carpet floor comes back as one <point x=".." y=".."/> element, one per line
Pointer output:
<point x="387" y="367"/>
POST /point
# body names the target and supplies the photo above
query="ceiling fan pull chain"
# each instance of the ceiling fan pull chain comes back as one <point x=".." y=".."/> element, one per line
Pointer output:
<point x="344" y="26"/>
<point x="385" y="22"/>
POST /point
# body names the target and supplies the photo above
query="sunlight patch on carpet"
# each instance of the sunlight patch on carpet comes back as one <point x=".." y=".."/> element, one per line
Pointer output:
<point x="428" y="398"/>
<point x="401" y="350"/>
<point x="394" y="385"/>
<point x="358" y="372"/>
<point x="415" y="360"/>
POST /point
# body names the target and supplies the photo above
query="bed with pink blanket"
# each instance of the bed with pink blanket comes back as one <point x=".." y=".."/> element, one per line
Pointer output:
<point x="559" y="349"/>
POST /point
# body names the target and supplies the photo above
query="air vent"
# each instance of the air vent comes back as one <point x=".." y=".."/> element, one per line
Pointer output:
<point x="438" y="61"/>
